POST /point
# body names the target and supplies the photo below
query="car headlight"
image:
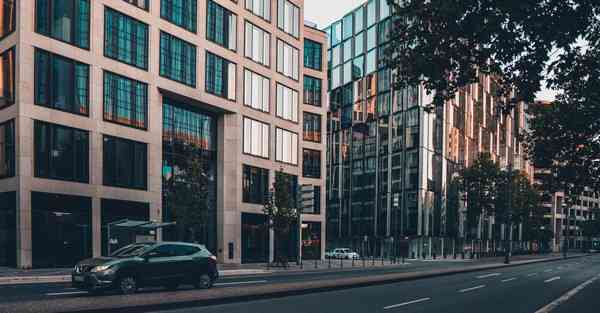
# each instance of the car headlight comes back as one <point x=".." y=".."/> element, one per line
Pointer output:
<point x="101" y="268"/>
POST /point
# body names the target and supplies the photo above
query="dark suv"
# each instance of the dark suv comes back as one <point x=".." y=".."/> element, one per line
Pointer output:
<point x="167" y="264"/>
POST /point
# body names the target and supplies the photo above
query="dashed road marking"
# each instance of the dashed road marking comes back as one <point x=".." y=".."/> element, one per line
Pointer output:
<point x="552" y="305"/>
<point x="507" y="280"/>
<point x="406" y="303"/>
<point x="488" y="275"/>
<point x="471" y="289"/>
<point x="552" y="279"/>
<point x="66" y="293"/>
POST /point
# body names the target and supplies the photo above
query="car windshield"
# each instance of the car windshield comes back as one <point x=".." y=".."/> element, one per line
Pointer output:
<point x="131" y="250"/>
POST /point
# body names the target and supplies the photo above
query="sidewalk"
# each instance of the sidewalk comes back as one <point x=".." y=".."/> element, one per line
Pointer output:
<point x="59" y="275"/>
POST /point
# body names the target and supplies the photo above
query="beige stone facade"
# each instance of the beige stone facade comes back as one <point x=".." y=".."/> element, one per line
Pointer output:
<point x="230" y="157"/>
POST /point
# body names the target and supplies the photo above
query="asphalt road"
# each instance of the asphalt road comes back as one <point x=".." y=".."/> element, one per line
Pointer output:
<point x="27" y="292"/>
<point x="519" y="289"/>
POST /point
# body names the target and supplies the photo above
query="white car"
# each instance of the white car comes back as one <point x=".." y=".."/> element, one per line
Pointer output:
<point x="343" y="253"/>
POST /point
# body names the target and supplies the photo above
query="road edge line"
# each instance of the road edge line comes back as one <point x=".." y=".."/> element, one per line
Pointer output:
<point x="564" y="298"/>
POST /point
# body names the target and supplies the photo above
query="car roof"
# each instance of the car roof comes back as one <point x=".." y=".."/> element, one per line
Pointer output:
<point x="180" y="243"/>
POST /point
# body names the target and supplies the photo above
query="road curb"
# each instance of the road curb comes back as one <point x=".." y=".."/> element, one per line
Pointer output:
<point x="214" y="297"/>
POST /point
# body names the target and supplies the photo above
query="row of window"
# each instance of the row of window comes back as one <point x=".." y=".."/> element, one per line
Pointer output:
<point x="255" y="187"/>
<point x="62" y="152"/>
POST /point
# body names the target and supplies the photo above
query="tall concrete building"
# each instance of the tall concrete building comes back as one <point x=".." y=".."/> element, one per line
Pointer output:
<point x="390" y="156"/>
<point x="103" y="104"/>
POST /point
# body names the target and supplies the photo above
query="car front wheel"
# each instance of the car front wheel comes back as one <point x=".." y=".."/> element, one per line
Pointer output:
<point x="204" y="282"/>
<point x="127" y="285"/>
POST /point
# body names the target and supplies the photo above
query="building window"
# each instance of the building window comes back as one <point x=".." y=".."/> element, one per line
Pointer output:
<point x="261" y="8"/>
<point x="61" y="83"/>
<point x="312" y="127"/>
<point x="61" y="229"/>
<point x="286" y="146"/>
<point x="313" y="55"/>
<point x="185" y="126"/>
<point x="125" y="163"/>
<point x="287" y="60"/>
<point x="256" y="91"/>
<point x="312" y="91"/>
<point x="220" y="76"/>
<point x="7" y="70"/>
<point x="64" y="20"/>
<point x="8" y="224"/>
<point x="177" y="59"/>
<point x="311" y="163"/>
<point x="182" y="13"/>
<point x="125" y="100"/>
<point x="125" y="39"/>
<point x="287" y="103"/>
<point x="258" y="44"/>
<point x="7" y="16"/>
<point x="255" y="184"/>
<point x="288" y="17"/>
<point x="317" y="200"/>
<point x="61" y="152"/>
<point x="256" y="138"/>
<point x="221" y="26"/>
<point x="7" y="149"/>
<point x="142" y="4"/>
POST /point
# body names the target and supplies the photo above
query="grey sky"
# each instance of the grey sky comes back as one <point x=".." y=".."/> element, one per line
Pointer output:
<point x="324" y="12"/>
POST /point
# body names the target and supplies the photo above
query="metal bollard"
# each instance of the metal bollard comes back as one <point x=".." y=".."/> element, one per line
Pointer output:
<point x="352" y="261"/>
<point x="373" y="261"/>
<point x="382" y="264"/>
<point x="363" y="260"/>
<point x="341" y="263"/>
<point x="329" y="262"/>
<point x="316" y="263"/>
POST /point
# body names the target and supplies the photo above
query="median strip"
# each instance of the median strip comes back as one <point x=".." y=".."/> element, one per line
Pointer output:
<point x="406" y="303"/>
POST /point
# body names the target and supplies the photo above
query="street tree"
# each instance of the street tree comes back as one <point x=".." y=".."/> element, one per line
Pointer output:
<point x="479" y="183"/>
<point x="282" y="214"/>
<point x="187" y="194"/>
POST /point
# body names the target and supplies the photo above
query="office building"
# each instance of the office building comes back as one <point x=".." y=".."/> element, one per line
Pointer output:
<point x="106" y="105"/>
<point x="391" y="155"/>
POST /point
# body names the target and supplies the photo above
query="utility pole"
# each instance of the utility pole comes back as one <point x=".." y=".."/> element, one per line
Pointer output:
<point x="509" y="213"/>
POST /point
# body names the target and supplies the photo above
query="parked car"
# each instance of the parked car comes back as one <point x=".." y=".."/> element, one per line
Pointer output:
<point x="167" y="264"/>
<point x="342" y="253"/>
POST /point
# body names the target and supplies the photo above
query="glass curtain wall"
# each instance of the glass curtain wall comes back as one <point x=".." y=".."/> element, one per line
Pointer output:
<point x="190" y="134"/>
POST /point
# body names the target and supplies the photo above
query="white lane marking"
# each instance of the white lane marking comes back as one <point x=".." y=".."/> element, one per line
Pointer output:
<point x="471" y="289"/>
<point x="509" y="279"/>
<point x="488" y="275"/>
<point x="532" y="274"/>
<point x="406" y="303"/>
<point x="548" y="271"/>
<point x="66" y="293"/>
<point x="552" y="279"/>
<point x="552" y="305"/>
<point x="241" y="283"/>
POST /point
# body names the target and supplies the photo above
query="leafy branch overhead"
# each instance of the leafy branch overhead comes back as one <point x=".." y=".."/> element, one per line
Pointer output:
<point x="443" y="44"/>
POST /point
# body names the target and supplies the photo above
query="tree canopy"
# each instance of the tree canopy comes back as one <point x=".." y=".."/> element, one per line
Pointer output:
<point x="444" y="44"/>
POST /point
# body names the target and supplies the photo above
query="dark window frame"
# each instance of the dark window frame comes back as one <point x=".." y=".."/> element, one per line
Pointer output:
<point x="313" y="91"/>
<point x="312" y="126"/>
<point x="212" y="38"/>
<point x="167" y="15"/>
<point x="9" y="149"/>
<point x="309" y="170"/>
<point x="134" y="146"/>
<point x="9" y="76"/>
<point x="132" y="40"/>
<point x="133" y="97"/>
<point x="313" y="49"/>
<point x="146" y="4"/>
<point x="209" y="73"/>
<point x="50" y="135"/>
<point x="13" y="25"/>
<point x="166" y="72"/>
<point x="49" y="81"/>
<point x="253" y="179"/>
<point x="73" y="28"/>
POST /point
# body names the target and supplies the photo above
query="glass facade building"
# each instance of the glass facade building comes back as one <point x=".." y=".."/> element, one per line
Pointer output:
<point x="390" y="157"/>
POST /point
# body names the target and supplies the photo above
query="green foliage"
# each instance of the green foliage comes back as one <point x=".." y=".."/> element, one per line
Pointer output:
<point x="443" y="44"/>
<point x="280" y="209"/>
<point x="187" y="194"/>
<point x="479" y="183"/>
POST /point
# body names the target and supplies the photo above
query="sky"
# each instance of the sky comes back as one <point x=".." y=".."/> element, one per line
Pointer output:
<point x="324" y="12"/>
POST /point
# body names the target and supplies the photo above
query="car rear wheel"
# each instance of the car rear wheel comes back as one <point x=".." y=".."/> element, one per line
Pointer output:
<point x="204" y="282"/>
<point x="127" y="285"/>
